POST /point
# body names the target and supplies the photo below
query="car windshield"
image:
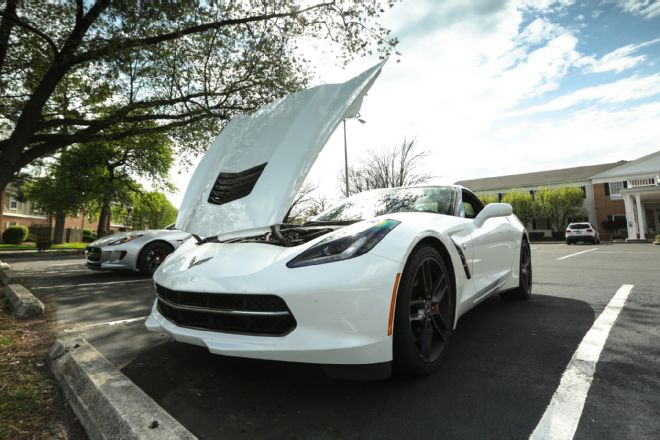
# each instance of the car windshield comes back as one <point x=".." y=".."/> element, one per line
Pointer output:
<point x="438" y="200"/>
<point x="579" y="226"/>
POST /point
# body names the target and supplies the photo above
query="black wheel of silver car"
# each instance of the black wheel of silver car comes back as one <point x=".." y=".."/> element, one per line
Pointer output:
<point x="424" y="314"/>
<point x="152" y="255"/>
<point x="524" y="289"/>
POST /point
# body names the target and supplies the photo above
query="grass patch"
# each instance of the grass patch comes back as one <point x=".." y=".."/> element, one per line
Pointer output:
<point x="30" y="405"/>
<point x="4" y="246"/>
<point x="72" y="245"/>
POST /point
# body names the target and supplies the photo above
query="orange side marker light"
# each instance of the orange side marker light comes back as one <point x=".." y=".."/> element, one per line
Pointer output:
<point x="393" y="304"/>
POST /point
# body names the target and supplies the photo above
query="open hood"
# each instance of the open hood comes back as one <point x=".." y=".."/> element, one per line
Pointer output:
<point x="248" y="178"/>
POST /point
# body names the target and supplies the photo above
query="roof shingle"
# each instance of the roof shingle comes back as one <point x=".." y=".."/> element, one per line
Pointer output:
<point x="538" y="178"/>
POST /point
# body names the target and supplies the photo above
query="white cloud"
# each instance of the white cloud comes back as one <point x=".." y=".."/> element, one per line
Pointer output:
<point x="538" y="31"/>
<point x="645" y="8"/>
<point x="619" y="59"/>
<point x="624" y="90"/>
<point x="466" y="65"/>
<point x="453" y="87"/>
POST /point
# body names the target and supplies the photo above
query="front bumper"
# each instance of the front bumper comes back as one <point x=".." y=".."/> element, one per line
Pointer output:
<point x="341" y="312"/>
<point x="104" y="258"/>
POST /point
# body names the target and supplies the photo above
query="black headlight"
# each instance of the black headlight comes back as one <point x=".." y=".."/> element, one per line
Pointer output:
<point x="125" y="239"/>
<point x="344" y="245"/>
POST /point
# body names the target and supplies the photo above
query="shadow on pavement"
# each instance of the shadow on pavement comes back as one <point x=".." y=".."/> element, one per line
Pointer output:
<point x="504" y="364"/>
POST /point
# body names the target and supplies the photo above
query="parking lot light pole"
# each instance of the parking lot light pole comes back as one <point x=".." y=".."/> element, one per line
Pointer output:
<point x="362" y="121"/>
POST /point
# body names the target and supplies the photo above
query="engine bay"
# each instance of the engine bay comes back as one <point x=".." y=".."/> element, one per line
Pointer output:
<point x="287" y="235"/>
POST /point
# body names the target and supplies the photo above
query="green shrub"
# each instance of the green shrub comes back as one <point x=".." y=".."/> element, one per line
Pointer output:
<point x="536" y="235"/>
<point x="657" y="237"/>
<point x="31" y="238"/>
<point x="88" y="235"/>
<point x="15" y="234"/>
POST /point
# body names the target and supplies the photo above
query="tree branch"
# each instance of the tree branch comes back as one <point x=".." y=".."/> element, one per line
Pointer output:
<point x="5" y="30"/>
<point x="148" y="41"/>
<point x="27" y="26"/>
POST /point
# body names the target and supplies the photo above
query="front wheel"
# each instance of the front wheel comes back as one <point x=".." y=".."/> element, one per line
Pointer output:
<point x="152" y="255"/>
<point x="424" y="317"/>
<point x="524" y="289"/>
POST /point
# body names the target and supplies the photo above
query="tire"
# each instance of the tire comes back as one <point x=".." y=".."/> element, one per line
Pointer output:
<point x="152" y="255"/>
<point x="568" y="243"/>
<point x="424" y="318"/>
<point x="524" y="289"/>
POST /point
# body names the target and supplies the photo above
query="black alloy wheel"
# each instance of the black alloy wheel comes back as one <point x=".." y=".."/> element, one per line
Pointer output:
<point x="152" y="255"/>
<point x="424" y="314"/>
<point x="524" y="289"/>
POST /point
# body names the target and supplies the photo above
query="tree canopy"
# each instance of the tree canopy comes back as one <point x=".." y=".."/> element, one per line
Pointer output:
<point x="557" y="205"/>
<point x="523" y="205"/>
<point x="74" y="72"/>
<point x="146" y="210"/>
<point x="92" y="177"/>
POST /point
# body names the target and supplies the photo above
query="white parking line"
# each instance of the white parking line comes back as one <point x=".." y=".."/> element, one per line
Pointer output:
<point x="625" y="252"/>
<point x="577" y="253"/>
<point x="103" y="324"/>
<point x="562" y="415"/>
<point x="61" y="286"/>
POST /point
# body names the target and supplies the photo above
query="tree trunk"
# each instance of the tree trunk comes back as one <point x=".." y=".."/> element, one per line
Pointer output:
<point x="2" y="193"/>
<point x="104" y="219"/>
<point x="60" y="218"/>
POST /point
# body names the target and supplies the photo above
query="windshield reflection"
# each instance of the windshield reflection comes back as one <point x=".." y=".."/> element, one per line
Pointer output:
<point x="437" y="199"/>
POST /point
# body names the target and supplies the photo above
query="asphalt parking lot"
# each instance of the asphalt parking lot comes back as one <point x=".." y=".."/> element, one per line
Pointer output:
<point x="499" y="378"/>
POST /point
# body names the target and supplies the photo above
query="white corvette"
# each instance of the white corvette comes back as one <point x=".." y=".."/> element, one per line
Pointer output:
<point x="379" y="280"/>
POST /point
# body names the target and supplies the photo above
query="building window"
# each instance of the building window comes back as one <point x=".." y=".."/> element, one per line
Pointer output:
<point x="13" y="203"/>
<point x="615" y="189"/>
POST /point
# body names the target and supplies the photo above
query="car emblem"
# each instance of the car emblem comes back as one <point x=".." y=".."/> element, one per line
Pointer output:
<point x="194" y="261"/>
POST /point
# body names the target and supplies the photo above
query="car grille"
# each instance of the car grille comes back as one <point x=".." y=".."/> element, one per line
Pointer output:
<point x="93" y="253"/>
<point x="264" y="315"/>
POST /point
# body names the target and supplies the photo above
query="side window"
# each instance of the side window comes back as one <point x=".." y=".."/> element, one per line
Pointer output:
<point x="468" y="210"/>
<point x="471" y="204"/>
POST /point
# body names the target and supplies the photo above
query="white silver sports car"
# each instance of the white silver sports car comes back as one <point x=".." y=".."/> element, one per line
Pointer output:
<point x="141" y="251"/>
<point x="379" y="280"/>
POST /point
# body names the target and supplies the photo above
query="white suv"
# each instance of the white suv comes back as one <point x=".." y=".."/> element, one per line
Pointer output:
<point x="581" y="232"/>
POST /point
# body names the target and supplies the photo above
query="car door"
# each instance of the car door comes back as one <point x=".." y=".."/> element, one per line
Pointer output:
<point x="491" y="247"/>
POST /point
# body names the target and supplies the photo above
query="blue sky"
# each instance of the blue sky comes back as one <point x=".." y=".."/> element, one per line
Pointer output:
<point x="500" y="87"/>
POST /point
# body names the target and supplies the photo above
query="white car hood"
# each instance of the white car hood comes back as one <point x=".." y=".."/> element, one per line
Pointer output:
<point x="248" y="178"/>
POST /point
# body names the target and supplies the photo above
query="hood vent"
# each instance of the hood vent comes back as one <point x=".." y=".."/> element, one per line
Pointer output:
<point x="233" y="186"/>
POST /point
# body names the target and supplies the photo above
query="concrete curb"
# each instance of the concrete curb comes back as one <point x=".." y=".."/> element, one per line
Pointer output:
<point x="107" y="403"/>
<point x="37" y="254"/>
<point x="22" y="302"/>
<point x="8" y="277"/>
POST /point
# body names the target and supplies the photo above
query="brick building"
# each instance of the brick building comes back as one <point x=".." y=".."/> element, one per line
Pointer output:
<point x="621" y="199"/>
<point x="15" y="211"/>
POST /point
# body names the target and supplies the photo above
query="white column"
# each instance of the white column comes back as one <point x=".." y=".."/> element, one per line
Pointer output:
<point x="640" y="218"/>
<point x="630" y="217"/>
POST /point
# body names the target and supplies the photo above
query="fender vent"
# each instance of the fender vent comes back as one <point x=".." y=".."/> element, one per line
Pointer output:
<point x="463" y="259"/>
<point x="233" y="186"/>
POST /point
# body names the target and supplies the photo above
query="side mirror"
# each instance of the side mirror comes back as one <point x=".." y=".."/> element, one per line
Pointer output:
<point x="493" y="210"/>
